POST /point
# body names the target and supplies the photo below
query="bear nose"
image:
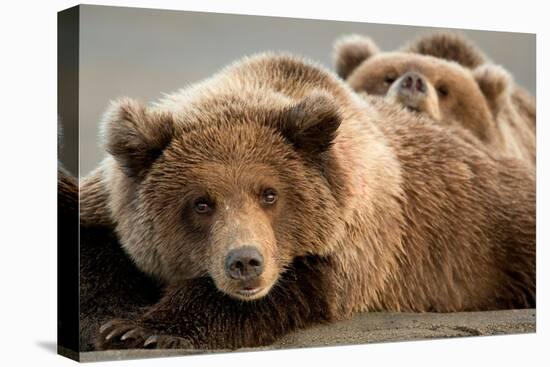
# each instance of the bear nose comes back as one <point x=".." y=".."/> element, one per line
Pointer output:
<point x="244" y="263"/>
<point x="413" y="82"/>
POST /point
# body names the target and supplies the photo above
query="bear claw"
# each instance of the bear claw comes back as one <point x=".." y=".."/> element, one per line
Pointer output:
<point x="106" y="326"/>
<point x="126" y="334"/>
<point x="153" y="339"/>
<point x="130" y="334"/>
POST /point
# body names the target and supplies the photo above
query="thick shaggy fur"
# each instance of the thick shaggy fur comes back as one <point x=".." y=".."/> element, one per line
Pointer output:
<point x="377" y="208"/>
<point x="110" y="284"/>
<point x="462" y="87"/>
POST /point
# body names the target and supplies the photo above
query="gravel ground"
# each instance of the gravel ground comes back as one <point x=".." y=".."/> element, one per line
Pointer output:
<point x="373" y="328"/>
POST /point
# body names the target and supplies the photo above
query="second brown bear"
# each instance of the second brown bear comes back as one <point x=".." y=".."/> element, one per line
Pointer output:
<point x="446" y="77"/>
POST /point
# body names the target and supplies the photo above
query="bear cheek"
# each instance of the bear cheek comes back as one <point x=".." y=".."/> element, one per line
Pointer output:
<point x="181" y="257"/>
<point x="192" y="260"/>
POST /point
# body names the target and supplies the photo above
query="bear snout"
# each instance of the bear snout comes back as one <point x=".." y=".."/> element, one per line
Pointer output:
<point x="414" y="91"/>
<point x="244" y="263"/>
<point x="412" y="82"/>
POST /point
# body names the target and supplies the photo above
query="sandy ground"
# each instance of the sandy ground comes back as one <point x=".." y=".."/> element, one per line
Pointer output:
<point x="373" y="328"/>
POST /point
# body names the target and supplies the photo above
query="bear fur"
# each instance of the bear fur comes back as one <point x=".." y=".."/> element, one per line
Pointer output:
<point x="457" y="86"/>
<point x="456" y="47"/>
<point x="450" y="46"/>
<point x="353" y="204"/>
<point x="110" y="284"/>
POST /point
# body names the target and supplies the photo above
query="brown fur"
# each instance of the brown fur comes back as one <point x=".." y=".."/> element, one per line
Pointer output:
<point x="93" y="201"/>
<point x="462" y="88"/>
<point x="448" y="46"/>
<point x="378" y="209"/>
<point x="456" y="47"/>
<point x="109" y="284"/>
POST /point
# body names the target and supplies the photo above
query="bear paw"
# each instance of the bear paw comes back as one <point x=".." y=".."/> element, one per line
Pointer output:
<point x="127" y="334"/>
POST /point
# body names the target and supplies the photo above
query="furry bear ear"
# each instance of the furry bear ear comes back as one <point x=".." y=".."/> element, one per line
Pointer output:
<point x="135" y="136"/>
<point x="494" y="82"/>
<point x="350" y="51"/>
<point x="448" y="46"/>
<point x="311" y="124"/>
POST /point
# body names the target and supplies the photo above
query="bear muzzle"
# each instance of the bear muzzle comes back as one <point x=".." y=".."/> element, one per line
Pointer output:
<point x="244" y="266"/>
<point x="244" y="263"/>
<point x="412" y="83"/>
<point x="413" y="91"/>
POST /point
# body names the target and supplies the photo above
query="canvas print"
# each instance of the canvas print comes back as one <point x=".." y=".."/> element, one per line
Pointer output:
<point x="234" y="182"/>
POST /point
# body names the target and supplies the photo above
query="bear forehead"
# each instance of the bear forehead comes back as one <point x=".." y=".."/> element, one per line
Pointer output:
<point x="223" y="110"/>
<point x="224" y="179"/>
<point x="229" y="140"/>
<point x="428" y="65"/>
<point x="223" y="168"/>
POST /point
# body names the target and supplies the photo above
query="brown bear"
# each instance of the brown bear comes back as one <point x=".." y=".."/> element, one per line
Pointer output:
<point x="271" y="197"/>
<point x="456" y="47"/>
<point x="444" y="76"/>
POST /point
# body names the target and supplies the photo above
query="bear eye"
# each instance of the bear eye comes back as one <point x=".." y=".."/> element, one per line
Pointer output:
<point x="269" y="197"/>
<point x="389" y="79"/>
<point x="443" y="91"/>
<point x="203" y="206"/>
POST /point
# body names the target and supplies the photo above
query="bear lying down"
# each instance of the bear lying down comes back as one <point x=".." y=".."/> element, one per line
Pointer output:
<point x="270" y="197"/>
<point x="482" y="98"/>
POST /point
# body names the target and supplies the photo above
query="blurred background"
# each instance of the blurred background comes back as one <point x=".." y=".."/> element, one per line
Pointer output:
<point x="143" y="53"/>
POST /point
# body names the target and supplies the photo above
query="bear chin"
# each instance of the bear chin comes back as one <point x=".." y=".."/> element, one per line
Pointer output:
<point x="246" y="294"/>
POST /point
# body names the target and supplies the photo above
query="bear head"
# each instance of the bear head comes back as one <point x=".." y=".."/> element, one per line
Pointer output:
<point x="229" y="185"/>
<point x="429" y="83"/>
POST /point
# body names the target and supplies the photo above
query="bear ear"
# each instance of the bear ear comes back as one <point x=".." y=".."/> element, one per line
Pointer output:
<point x="311" y="124"/>
<point x="135" y="136"/>
<point x="350" y="51"/>
<point x="448" y="46"/>
<point x="494" y="82"/>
